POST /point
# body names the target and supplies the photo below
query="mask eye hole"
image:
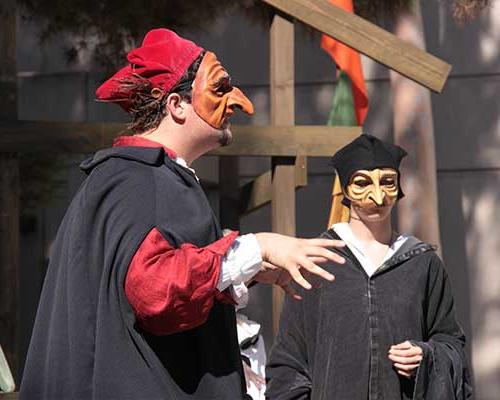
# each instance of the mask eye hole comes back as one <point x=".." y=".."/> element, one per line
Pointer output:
<point x="389" y="181"/>
<point x="223" y="85"/>
<point x="361" y="181"/>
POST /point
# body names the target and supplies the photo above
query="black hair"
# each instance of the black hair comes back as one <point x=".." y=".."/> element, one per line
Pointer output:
<point x="149" y="105"/>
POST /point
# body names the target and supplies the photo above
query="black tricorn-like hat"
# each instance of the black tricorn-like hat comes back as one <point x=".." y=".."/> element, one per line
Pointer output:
<point x="366" y="152"/>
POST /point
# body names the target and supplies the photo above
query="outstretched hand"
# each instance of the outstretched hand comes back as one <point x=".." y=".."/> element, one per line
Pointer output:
<point x="273" y="275"/>
<point x="406" y="358"/>
<point x="287" y="258"/>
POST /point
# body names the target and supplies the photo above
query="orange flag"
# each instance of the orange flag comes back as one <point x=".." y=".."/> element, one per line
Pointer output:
<point x="349" y="61"/>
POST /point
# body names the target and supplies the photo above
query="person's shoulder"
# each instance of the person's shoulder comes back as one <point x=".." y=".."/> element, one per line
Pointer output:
<point x="120" y="158"/>
<point x="427" y="255"/>
<point x="118" y="177"/>
<point x="417" y="246"/>
<point x="120" y="172"/>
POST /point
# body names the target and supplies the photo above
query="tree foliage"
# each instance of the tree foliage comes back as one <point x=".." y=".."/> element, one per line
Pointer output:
<point x="107" y="28"/>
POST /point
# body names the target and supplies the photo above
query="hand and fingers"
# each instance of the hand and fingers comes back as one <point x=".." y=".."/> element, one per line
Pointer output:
<point x="284" y="280"/>
<point x="322" y="255"/>
<point x="276" y="247"/>
<point x="318" y="260"/>
<point x="319" y="248"/>
<point x="251" y="376"/>
<point x="402" y="346"/>
<point x="406" y="349"/>
<point x="321" y="242"/>
<point x="280" y="277"/>
<point x="406" y="368"/>
<point x="405" y="374"/>
<point x="289" y="289"/>
<point x="294" y="272"/>
<point x="405" y="357"/>
<point x="294" y="255"/>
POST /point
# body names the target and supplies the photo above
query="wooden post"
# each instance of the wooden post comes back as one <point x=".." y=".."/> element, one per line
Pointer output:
<point x="282" y="113"/>
<point x="9" y="193"/>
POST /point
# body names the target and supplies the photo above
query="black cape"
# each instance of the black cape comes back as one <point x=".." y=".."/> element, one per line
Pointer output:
<point x="334" y="344"/>
<point x="85" y="344"/>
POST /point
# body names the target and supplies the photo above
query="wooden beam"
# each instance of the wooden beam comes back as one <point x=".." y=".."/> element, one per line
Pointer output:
<point x="9" y="195"/>
<point x="369" y="39"/>
<point x="282" y="99"/>
<point x="288" y="141"/>
<point x="85" y="137"/>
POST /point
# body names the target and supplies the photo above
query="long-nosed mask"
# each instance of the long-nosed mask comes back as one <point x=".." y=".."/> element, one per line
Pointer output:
<point x="214" y="97"/>
<point x="370" y="188"/>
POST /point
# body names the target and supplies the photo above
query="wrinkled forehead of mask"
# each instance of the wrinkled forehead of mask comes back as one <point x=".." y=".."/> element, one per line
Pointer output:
<point x="365" y="183"/>
<point x="366" y="152"/>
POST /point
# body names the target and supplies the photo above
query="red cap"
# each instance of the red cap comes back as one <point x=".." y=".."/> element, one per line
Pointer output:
<point x="162" y="59"/>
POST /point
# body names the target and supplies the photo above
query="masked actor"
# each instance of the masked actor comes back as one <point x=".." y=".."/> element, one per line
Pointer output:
<point x="386" y="329"/>
<point x="138" y="301"/>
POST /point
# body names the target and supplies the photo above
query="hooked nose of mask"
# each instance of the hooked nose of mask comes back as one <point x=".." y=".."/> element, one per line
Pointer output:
<point x="377" y="198"/>
<point x="238" y="100"/>
<point x="377" y="195"/>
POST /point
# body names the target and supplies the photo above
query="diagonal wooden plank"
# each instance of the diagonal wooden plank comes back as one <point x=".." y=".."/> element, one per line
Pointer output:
<point x="257" y="193"/>
<point x="369" y="39"/>
<point x="87" y="137"/>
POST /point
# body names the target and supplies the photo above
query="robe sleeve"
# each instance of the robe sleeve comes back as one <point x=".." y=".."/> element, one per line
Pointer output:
<point x="287" y="371"/>
<point x="443" y="372"/>
<point x="173" y="289"/>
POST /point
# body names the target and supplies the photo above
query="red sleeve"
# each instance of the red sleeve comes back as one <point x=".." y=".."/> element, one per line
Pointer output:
<point x="173" y="289"/>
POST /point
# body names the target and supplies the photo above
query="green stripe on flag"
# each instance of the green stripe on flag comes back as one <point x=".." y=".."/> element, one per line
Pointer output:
<point x="342" y="112"/>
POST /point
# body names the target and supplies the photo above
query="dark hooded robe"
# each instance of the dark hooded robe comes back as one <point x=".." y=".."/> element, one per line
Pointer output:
<point x="334" y="344"/>
<point x="87" y="343"/>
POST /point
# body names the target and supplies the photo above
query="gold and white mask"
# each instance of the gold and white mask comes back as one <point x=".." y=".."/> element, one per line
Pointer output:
<point x="370" y="188"/>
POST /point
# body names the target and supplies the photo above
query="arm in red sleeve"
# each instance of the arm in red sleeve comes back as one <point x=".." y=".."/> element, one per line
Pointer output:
<point x="173" y="289"/>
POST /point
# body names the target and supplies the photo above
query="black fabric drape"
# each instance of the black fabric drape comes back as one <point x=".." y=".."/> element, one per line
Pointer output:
<point x="85" y="345"/>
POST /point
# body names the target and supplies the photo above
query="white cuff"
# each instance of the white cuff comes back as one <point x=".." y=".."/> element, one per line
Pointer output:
<point x="240" y="295"/>
<point x="241" y="262"/>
